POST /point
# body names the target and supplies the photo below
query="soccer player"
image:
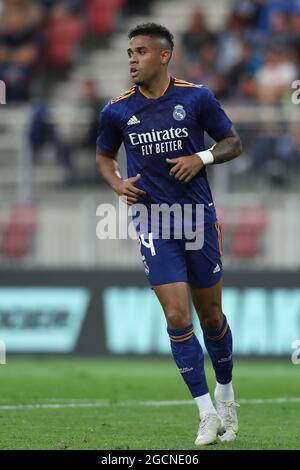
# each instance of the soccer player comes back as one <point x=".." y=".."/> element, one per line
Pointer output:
<point x="162" y="121"/>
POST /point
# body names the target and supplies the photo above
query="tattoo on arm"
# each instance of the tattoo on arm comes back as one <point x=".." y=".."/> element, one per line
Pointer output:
<point x="228" y="148"/>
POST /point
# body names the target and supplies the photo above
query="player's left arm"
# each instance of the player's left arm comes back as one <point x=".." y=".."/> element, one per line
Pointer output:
<point x="226" y="149"/>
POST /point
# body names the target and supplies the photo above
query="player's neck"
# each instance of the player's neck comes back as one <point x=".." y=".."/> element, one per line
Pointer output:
<point x="157" y="88"/>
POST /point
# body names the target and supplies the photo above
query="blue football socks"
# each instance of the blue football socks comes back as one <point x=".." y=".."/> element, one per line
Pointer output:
<point x="219" y="347"/>
<point x="188" y="355"/>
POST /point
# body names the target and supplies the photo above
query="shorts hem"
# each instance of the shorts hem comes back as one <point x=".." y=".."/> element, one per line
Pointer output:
<point x="210" y="284"/>
<point x="168" y="282"/>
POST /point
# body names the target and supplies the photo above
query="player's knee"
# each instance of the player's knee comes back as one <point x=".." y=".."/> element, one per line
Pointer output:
<point x="212" y="317"/>
<point x="177" y="318"/>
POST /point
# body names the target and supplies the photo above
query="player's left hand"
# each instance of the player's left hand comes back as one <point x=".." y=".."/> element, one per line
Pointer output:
<point x="185" y="168"/>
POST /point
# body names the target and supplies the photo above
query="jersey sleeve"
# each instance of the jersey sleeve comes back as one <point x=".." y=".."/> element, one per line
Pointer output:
<point x="212" y="117"/>
<point x="110" y="136"/>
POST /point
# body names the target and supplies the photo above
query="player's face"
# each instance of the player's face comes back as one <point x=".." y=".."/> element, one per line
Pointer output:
<point x="146" y="59"/>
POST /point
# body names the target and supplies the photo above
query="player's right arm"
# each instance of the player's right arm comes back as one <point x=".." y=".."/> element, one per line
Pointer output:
<point x="108" y="143"/>
<point x="109" y="170"/>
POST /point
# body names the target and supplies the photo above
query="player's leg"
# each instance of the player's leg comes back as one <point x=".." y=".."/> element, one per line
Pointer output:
<point x="188" y="355"/>
<point x="166" y="270"/>
<point x="205" y="274"/>
<point x="218" y="341"/>
<point x="205" y="279"/>
<point x="217" y="334"/>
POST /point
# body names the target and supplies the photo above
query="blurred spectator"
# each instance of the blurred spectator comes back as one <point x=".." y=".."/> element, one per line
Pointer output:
<point x="194" y="72"/>
<point x="240" y="76"/>
<point x="42" y="133"/>
<point x="84" y="137"/>
<point x="141" y="7"/>
<point x="274" y="78"/>
<point x="75" y="6"/>
<point x="204" y="70"/>
<point x="63" y="33"/>
<point x="289" y="7"/>
<point x="249" y="11"/>
<point x="20" y="49"/>
<point x="230" y="42"/>
<point x="245" y="92"/>
<point x="90" y="100"/>
<point x="279" y="34"/>
<point x="295" y="36"/>
<point x="196" y="36"/>
<point x="241" y="63"/>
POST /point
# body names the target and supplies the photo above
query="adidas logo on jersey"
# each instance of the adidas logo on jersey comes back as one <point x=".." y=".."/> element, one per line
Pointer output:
<point x="133" y="120"/>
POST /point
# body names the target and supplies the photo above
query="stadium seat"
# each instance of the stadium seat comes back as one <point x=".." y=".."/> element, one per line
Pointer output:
<point x="102" y="15"/>
<point x="246" y="236"/>
<point x="62" y="38"/>
<point x="18" y="233"/>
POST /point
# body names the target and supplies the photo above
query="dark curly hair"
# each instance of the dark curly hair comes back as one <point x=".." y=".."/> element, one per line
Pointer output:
<point x="152" y="29"/>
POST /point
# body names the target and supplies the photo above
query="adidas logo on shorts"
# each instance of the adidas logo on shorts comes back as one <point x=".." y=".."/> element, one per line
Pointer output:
<point x="133" y="120"/>
<point x="217" y="269"/>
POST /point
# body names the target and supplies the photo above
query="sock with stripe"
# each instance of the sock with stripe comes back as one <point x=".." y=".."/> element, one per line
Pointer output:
<point x="188" y="355"/>
<point x="219" y="347"/>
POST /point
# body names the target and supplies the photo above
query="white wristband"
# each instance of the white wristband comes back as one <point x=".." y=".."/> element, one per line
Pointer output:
<point x="206" y="156"/>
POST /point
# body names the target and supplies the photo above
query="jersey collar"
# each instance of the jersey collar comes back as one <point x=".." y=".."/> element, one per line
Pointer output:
<point x="166" y="91"/>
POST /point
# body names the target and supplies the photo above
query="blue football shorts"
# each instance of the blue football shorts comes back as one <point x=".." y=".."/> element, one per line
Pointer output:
<point x="167" y="260"/>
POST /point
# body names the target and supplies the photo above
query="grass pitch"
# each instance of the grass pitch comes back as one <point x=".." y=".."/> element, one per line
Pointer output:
<point x="126" y="404"/>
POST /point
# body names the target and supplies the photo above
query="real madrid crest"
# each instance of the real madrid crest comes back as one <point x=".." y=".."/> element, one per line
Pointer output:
<point x="179" y="112"/>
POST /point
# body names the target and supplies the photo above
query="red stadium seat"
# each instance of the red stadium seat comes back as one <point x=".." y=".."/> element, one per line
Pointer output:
<point x="244" y="244"/>
<point x="102" y="15"/>
<point x="254" y="216"/>
<point x="63" y="35"/>
<point x="18" y="233"/>
<point x="16" y="243"/>
<point x="23" y="216"/>
<point x="246" y="236"/>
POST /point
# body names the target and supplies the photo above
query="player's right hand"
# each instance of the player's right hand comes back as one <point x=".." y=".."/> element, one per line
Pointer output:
<point x="128" y="192"/>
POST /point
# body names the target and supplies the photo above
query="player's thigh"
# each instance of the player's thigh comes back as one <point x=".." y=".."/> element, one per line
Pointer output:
<point x="174" y="299"/>
<point x="204" y="265"/>
<point x="164" y="260"/>
<point x="208" y="305"/>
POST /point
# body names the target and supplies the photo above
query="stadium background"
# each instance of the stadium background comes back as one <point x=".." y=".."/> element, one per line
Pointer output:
<point x="65" y="292"/>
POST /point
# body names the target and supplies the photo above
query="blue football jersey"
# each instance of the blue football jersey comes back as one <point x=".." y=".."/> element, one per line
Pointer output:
<point x="170" y="126"/>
